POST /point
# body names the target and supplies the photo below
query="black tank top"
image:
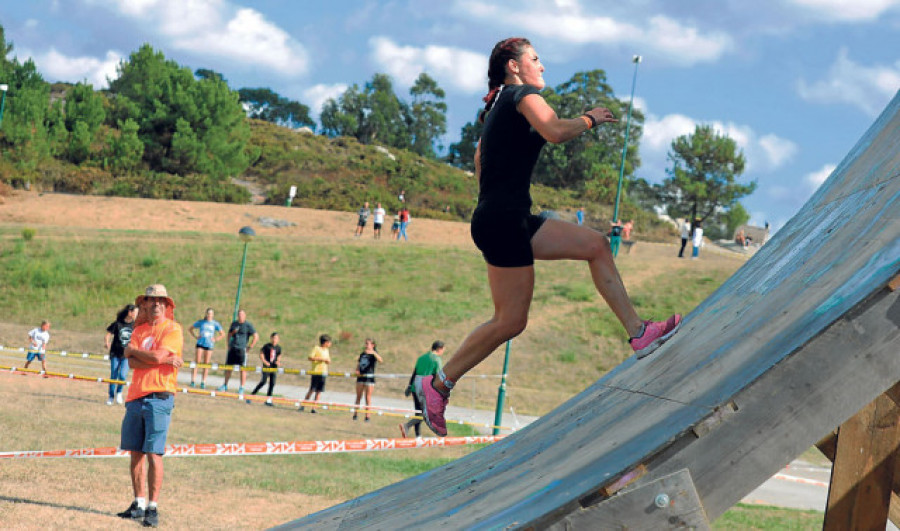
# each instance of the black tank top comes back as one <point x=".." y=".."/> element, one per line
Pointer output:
<point x="509" y="151"/>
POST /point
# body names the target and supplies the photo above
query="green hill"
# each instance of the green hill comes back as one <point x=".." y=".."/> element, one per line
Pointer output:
<point x="341" y="173"/>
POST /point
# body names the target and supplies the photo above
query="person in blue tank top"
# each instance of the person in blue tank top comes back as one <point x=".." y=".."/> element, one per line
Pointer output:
<point x="517" y="124"/>
<point x="207" y="331"/>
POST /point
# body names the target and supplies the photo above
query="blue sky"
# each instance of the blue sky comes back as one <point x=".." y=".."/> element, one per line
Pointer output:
<point x="794" y="82"/>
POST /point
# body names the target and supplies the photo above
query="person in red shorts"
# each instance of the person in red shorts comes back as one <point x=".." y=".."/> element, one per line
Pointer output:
<point x="154" y="355"/>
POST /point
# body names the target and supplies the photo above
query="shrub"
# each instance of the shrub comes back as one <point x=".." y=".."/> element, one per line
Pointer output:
<point x="28" y="234"/>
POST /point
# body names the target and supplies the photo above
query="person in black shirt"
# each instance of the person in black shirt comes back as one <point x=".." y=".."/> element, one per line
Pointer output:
<point x="270" y="355"/>
<point x="365" y="374"/>
<point x="517" y="124"/>
<point x="240" y="333"/>
<point x="118" y="335"/>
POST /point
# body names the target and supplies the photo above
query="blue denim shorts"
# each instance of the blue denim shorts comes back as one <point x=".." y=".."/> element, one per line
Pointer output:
<point x="35" y="354"/>
<point x="146" y="424"/>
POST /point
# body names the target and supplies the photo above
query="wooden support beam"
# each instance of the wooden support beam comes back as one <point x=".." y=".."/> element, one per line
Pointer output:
<point x="828" y="445"/>
<point x="894" y="393"/>
<point x="669" y="502"/>
<point x="894" y="512"/>
<point x="862" y="478"/>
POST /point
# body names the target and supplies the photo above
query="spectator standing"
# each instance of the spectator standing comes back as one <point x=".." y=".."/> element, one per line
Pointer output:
<point x="404" y="223"/>
<point x="270" y="355"/>
<point x="363" y="214"/>
<point x="428" y="364"/>
<point x="626" y="230"/>
<point x="395" y="227"/>
<point x="240" y="333"/>
<point x="206" y="331"/>
<point x="118" y="335"/>
<point x="685" y="236"/>
<point x="154" y="354"/>
<point x="580" y="216"/>
<point x="37" y="345"/>
<point x="697" y="240"/>
<point x="365" y="374"/>
<point x="402" y="196"/>
<point x="378" y="220"/>
<point x="615" y="237"/>
<point x="320" y="358"/>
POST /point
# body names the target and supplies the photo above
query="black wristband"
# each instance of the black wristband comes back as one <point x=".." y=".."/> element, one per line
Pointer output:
<point x="591" y="118"/>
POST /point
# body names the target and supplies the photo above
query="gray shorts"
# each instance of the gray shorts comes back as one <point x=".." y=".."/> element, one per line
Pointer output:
<point x="146" y="423"/>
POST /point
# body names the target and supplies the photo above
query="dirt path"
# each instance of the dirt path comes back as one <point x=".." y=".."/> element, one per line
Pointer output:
<point x="62" y="210"/>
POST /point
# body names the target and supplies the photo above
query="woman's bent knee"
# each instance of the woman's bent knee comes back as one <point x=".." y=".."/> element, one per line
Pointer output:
<point x="598" y="246"/>
<point x="512" y="327"/>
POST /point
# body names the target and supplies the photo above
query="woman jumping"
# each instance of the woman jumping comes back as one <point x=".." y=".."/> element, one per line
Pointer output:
<point x="517" y="124"/>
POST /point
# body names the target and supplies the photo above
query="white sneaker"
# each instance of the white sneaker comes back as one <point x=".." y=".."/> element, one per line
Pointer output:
<point x="109" y="401"/>
<point x="119" y="398"/>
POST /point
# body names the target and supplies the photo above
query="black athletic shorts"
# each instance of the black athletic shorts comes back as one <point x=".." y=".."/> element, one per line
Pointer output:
<point x="366" y="379"/>
<point x="504" y="236"/>
<point x="317" y="383"/>
<point x="377" y="226"/>
<point x="236" y="356"/>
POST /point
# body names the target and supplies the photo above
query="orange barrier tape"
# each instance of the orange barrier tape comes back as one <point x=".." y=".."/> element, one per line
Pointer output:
<point x="264" y="448"/>
<point x="221" y="366"/>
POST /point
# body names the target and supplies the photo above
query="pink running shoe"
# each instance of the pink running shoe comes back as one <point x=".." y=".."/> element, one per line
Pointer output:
<point x="655" y="334"/>
<point x="435" y="405"/>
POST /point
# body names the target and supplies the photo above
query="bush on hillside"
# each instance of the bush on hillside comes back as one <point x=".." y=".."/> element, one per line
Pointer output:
<point x="191" y="187"/>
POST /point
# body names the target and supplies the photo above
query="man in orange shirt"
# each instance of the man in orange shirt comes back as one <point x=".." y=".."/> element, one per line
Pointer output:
<point x="154" y="354"/>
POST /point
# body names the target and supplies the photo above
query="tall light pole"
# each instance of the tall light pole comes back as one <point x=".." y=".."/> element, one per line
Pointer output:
<point x="501" y="392"/>
<point x="616" y="235"/>
<point x="3" y="89"/>
<point x="246" y="234"/>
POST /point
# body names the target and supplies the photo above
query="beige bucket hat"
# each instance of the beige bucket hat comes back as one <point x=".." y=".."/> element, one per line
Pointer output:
<point x="154" y="291"/>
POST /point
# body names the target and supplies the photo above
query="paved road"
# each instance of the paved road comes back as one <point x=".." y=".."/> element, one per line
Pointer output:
<point x="799" y="485"/>
<point x="477" y="416"/>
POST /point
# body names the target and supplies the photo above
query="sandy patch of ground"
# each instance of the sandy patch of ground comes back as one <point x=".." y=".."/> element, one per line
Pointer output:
<point x="63" y="210"/>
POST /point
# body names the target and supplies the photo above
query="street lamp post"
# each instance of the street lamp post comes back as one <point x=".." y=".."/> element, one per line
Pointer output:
<point x="246" y="234"/>
<point x="616" y="233"/>
<point x="501" y="393"/>
<point x="3" y="89"/>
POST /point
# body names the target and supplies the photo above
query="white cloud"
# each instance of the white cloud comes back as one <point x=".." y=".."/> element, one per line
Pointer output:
<point x="316" y="96"/>
<point x="815" y="179"/>
<point x="451" y="67"/>
<point x="844" y="10"/>
<point x="867" y="88"/>
<point x="217" y="28"/>
<point x="762" y="152"/>
<point x="658" y="36"/>
<point x="659" y="132"/>
<point x="777" y="150"/>
<point x="58" y="67"/>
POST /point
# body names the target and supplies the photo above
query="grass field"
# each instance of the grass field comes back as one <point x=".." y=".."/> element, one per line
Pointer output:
<point x="251" y="492"/>
<point x="211" y="492"/>
<point x="405" y="296"/>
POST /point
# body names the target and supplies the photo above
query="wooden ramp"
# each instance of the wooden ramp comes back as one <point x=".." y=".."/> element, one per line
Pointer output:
<point x="801" y="338"/>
